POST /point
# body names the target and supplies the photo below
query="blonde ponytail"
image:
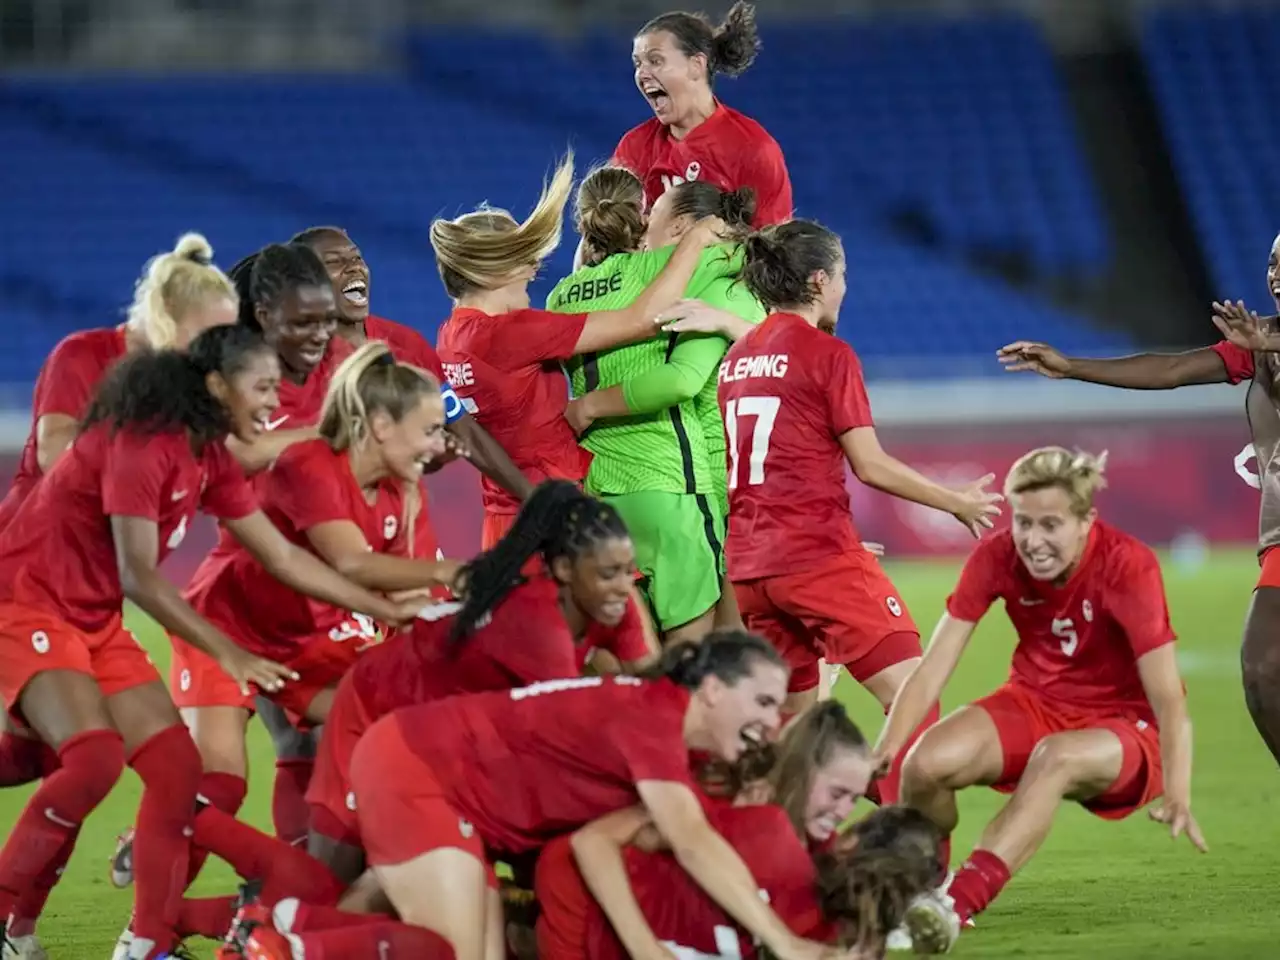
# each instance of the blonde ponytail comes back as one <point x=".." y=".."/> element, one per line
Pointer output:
<point x="172" y="284"/>
<point x="369" y="381"/>
<point x="482" y="250"/>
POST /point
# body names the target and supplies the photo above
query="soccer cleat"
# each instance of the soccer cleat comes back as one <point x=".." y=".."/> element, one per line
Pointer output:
<point x="21" y="948"/>
<point x="122" y="861"/>
<point x="899" y="941"/>
<point x="932" y="923"/>
<point x="121" y="950"/>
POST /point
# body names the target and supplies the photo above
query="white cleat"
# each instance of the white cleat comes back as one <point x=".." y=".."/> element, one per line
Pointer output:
<point x="121" y="950"/>
<point x="22" y="948"/>
<point x="899" y="941"/>
<point x="932" y="924"/>
<point x="121" y="872"/>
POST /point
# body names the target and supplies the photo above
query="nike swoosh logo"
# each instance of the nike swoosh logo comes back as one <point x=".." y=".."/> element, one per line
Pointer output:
<point x="178" y="495"/>
<point x="53" y="816"/>
<point x="1029" y="603"/>
<point x="273" y="424"/>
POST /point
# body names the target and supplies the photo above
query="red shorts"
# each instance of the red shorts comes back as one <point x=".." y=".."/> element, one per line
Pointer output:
<point x="842" y="612"/>
<point x="496" y="526"/>
<point x="329" y="791"/>
<point x="33" y="641"/>
<point x="1270" y="564"/>
<point x="565" y="903"/>
<point x="1023" y="719"/>
<point x="197" y="681"/>
<point x="402" y="809"/>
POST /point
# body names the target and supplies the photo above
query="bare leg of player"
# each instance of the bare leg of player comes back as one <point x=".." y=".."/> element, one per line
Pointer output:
<point x="1077" y="766"/>
<point x="962" y="751"/>
<point x="1260" y="665"/>
<point x="447" y="891"/>
<point x="693" y="631"/>
<point x="727" y="614"/>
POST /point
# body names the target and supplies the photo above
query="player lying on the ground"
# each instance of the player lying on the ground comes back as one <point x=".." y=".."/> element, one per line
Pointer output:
<point x="1094" y="710"/>
<point x="1248" y="352"/>
<point x="510" y="632"/>
<point x="438" y="785"/>
<point x="852" y="888"/>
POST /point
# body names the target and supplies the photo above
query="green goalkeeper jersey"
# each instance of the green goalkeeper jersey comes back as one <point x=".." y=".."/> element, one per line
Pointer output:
<point x="667" y="450"/>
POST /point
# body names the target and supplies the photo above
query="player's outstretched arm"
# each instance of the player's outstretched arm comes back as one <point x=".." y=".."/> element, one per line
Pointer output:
<point x="1141" y="371"/>
<point x="597" y="848"/>
<point x="972" y="505"/>
<point x="342" y="545"/>
<point x="923" y="686"/>
<point x="718" y="869"/>
<point x="489" y="457"/>
<point x="1158" y="670"/>
<point x="266" y="449"/>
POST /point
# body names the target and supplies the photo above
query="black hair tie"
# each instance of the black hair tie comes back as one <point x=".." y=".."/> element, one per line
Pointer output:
<point x="384" y="360"/>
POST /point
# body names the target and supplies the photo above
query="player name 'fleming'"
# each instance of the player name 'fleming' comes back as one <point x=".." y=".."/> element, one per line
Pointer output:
<point x="744" y="368"/>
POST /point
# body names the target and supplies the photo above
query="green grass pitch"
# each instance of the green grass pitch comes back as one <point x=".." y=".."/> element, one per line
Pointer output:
<point x="1096" y="890"/>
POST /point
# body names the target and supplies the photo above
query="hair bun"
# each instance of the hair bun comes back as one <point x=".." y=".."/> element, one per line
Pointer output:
<point x="194" y="247"/>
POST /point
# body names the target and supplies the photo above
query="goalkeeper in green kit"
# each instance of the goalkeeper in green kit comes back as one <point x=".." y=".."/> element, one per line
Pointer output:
<point x="648" y="412"/>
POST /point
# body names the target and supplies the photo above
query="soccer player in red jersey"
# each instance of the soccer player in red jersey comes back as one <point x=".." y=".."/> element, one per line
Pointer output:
<point x="692" y="135"/>
<point x="796" y="412"/>
<point x="180" y="294"/>
<point x="510" y="632"/>
<point x="502" y="356"/>
<point x="1094" y="709"/>
<point x="1247" y="353"/>
<point x="93" y="533"/>
<point x="436" y="785"/>
<point x="350" y="276"/>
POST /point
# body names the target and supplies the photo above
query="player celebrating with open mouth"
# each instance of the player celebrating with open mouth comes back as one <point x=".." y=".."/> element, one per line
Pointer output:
<point x="1094" y="710"/>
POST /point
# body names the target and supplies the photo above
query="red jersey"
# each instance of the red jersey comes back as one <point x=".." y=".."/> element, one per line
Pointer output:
<point x="506" y="370"/>
<point x="309" y="485"/>
<point x="788" y="392"/>
<point x="1238" y="361"/>
<point x="526" y="765"/>
<point x="59" y="554"/>
<point x="411" y="347"/>
<point x="689" y="922"/>
<point x="729" y="150"/>
<point x="1079" y="643"/>
<point x="66" y="385"/>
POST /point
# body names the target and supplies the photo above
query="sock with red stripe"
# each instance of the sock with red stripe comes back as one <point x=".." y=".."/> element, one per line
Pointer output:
<point x="170" y="769"/>
<point x="31" y="904"/>
<point x="25" y="760"/>
<point x="206" y="917"/>
<point x="226" y="792"/>
<point x="381" y="941"/>
<point x="90" y="764"/>
<point x="289" y="811"/>
<point x="311" y="917"/>
<point x="978" y="882"/>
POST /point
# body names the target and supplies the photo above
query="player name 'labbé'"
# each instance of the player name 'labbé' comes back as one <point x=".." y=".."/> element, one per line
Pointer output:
<point x="744" y="368"/>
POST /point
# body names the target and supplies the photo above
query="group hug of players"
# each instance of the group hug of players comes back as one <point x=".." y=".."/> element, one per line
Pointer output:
<point x="621" y="700"/>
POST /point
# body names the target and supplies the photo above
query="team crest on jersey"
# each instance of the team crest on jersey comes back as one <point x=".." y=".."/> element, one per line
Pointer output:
<point x="692" y="171"/>
<point x="1087" y="609"/>
<point x="389" y="527"/>
<point x="466" y="829"/>
<point x="894" y="606"/>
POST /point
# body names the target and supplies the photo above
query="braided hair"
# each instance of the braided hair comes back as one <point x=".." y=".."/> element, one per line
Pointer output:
<point x="264" y="277"/>
<point x="866" y="883"/>
<point x="558" y="520"/>
<point x="158" y="391"/>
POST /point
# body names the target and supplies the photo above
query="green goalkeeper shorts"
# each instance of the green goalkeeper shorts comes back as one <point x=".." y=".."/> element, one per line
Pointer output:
<point x="679" y="543"/>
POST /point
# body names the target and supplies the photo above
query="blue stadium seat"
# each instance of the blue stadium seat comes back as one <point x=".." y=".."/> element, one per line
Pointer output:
<point x="1210" y="72"/>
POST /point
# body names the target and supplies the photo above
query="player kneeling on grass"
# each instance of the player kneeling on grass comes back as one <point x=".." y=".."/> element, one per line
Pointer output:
<point x="1094" y="710"/>
<point x="852" y="888"/>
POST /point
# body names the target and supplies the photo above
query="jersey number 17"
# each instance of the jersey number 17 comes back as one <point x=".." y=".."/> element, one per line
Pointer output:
<point x="764" y="412"/>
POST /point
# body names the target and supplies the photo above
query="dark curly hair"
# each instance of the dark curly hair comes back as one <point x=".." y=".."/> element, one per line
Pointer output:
<point x="264" y="277"/>
<point x="165" y="390"/>
<point x="558" y="520"/>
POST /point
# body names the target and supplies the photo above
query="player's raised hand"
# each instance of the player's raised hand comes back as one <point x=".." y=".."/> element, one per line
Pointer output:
<point x="1177" y="815"/>
<point x="1036" y="357"/>
<point x="1244" y="327"/>
<point x="976" y="506"/>
<point x="245" y="669"/>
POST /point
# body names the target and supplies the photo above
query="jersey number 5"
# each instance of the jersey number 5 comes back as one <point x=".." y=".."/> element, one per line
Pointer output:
<point x="765" y="412"/>
<point x="1065" y="631"/>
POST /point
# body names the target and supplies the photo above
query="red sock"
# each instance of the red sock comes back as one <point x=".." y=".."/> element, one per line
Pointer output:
<point x="978" y="882"/>
<point x="24" y="759"/>
<point x="311" y="917"/>
<point x="289" y="811"/>
<point x="206" y="917"/>
<point x="382" y="941"/>
<point x="888" y="789"/>
<point x="91" y="763"/>
<point x="226" y="791"/>
<point x="31" y="904"/>
<point x="170" y="769"/>
<point x="285" y="871"/>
